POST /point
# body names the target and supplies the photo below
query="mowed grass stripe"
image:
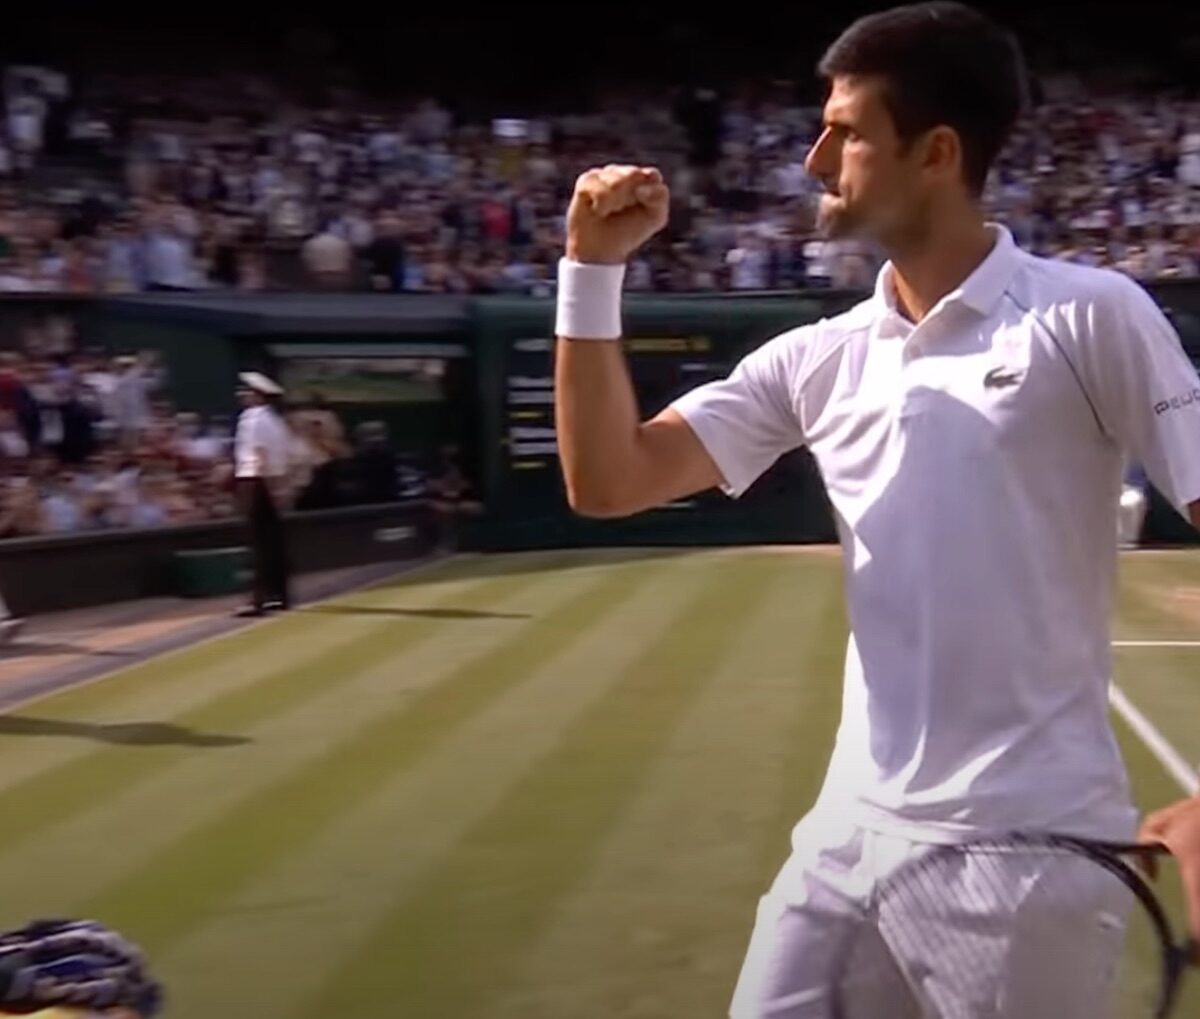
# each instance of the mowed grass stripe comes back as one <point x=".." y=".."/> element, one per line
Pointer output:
<point x="1180" y="566"/>
<point x="239" y="643"/>
<point x="147" y="718"/>
<point x="34" y="805"/>
<point x="185" y="885"/>
<point x="1164" y="684"/>
<point x="224" y="654"/>
<point x="439" y="952"/>
<point x="1154" y="788"/>
<point x="1143" y="599"/>
<point x="180" y="684"/>
<point x="271" y="945"/>
<point x="665" y="912"/>
<point x="76" y="858"/>
<point x="1160" y="681"/>
<point x="1144" y="603"/>
<point x="179" y="681"/>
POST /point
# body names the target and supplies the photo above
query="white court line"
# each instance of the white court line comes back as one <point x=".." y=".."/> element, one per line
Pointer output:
<point x="1155" y="741"/>
<point x="1156" y="643"/>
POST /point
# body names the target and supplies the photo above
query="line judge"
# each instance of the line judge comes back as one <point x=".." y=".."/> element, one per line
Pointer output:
<point x="261" y="471"/>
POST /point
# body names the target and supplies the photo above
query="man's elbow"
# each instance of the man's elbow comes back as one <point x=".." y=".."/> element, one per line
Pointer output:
<point x="598" y="503"/>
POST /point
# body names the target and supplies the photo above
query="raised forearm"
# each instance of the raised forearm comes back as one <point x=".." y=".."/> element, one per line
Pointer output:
<point x="596" y="418"/>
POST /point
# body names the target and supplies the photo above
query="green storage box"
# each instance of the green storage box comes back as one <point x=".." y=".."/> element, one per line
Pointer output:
<point x="211" y="571"/>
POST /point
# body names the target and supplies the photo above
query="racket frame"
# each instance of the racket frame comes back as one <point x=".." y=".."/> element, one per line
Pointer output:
<point x="1175" y="955"/>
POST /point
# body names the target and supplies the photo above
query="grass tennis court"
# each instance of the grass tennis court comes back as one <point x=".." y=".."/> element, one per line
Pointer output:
<point x="522" y="787"/>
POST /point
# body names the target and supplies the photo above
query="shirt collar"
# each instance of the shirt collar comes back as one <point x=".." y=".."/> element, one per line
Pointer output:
<point x="980" y="291"/>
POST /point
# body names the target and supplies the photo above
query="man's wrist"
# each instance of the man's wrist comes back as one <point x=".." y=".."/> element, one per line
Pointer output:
<point x="589" y="300"/>
<point x="575" y="253"/>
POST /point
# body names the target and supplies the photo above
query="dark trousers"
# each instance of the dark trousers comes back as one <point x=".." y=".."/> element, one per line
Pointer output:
<point x="268" y="542"/>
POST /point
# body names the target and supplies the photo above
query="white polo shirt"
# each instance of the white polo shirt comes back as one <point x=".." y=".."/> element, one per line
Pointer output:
<point x="261" y="444"/>
<point x="974" y="466"/>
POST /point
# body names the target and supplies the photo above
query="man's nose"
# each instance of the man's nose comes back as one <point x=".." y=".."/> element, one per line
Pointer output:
<point x="818" y="162"/>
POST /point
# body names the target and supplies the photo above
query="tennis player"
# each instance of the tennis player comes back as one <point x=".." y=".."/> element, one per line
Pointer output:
<point x="970" y="420"/>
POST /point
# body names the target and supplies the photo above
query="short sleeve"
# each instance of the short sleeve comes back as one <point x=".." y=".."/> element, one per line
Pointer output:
<point x="748" y="420"/>
<point x="1148" y="392"/>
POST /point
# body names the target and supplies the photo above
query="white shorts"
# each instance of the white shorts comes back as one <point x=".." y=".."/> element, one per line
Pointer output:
<point x="1049" y="948"/>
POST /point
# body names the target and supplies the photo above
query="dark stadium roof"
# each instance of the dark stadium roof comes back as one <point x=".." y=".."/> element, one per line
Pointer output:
<point x="516" y="52"/>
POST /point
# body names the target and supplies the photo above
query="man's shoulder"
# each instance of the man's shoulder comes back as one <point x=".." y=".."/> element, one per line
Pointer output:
<point x="805" y="346"/>
<point x="1050" y="281"/>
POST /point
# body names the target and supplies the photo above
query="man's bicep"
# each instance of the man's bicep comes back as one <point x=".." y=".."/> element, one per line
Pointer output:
<point x="748" y="420"/>
<point x="675" y="461"/>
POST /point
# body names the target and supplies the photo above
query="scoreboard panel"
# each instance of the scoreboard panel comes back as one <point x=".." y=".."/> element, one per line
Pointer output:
<point x="671" y="347"/>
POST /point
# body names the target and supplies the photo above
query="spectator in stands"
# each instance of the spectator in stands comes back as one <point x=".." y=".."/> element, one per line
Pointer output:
<point x="148" y="508"/>
<point x="1188" y="168"/>
<point x="62" y="509"/>
<point x="374" y="464"/>
<point x="18" y="400"/>
<point x="178" y="503"/>
<point x="193" y="445"/>
<point x="76" y="420"/>
<point x="220" y="252"/>
<point x="452" y="499"/>
<point x="20" y="509"/>
<point x="748" y="263"/>
<point x="13" y="443"/>
<point x="122" y="266"/>
<point x="329" y="260"/>
<point x="320" y="455"/>
<point x="26" y="124"/>
<point x="169" y="248"/>
<point x="113" y="478"/>
<point x="137" y="378"/>
<point x="384" y="255"/>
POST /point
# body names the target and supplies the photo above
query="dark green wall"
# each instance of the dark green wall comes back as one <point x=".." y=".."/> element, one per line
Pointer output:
<point x="202" y="362"/>
<point x="499" y="406"/>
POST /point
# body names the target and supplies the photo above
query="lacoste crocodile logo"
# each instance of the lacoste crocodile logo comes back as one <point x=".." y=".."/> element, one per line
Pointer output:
<point x="1001" y="378"/>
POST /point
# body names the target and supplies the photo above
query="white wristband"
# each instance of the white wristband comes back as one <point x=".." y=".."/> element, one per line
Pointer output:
<point x="589" y="301"/>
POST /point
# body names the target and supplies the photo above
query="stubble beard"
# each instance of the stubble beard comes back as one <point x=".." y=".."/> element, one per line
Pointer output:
<point x="835" y="221"/>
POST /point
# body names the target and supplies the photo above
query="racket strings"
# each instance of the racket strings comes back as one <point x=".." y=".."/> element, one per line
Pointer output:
<point x="1016" y="929"/>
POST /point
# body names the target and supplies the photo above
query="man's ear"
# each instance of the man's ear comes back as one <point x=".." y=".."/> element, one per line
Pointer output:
<point x="941" y="152"/>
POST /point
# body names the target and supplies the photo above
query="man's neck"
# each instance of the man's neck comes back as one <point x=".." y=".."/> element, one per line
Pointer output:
<point x="936" y="263"/>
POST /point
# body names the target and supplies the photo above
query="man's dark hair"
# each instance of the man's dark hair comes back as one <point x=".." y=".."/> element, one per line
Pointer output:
<point x="941" y="63"/>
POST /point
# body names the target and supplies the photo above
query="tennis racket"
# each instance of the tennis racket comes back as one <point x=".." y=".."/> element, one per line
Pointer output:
<point x="1039" y="926"/>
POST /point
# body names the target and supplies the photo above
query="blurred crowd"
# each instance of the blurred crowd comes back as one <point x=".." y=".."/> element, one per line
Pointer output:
<point x="89" y="441"/>
<point x="138" y="184"/>
<point x="181" y="184"/>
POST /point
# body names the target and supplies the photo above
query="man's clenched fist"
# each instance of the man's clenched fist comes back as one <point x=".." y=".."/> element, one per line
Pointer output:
<point x="614" y="211"/>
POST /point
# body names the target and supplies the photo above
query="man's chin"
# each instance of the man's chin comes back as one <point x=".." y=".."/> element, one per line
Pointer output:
<point x="835" y="223"/>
